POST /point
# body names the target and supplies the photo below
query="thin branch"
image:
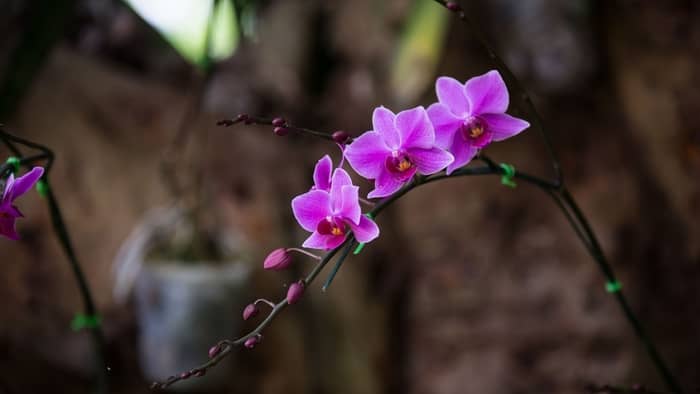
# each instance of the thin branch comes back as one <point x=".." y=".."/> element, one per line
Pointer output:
<point x="63" y="236"/>
<point x="277" y="122"/>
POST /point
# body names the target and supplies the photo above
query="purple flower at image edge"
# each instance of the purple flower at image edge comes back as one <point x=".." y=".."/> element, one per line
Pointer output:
<point x="13" y="189"/>
<point x="470" y="116"/>
<point x="330" y="215"/>
<point x="398" y="147"/>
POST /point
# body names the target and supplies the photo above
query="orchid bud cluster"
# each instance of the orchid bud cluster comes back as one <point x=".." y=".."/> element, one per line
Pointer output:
<point x="447" y="136"/>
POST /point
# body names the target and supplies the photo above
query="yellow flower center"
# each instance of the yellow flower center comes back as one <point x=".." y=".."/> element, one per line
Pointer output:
<point x="476" y="130"/>
<point x="404" y="165"/>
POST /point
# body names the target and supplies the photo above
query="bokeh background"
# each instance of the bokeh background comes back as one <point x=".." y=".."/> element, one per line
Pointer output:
<point x="472" y="287"/>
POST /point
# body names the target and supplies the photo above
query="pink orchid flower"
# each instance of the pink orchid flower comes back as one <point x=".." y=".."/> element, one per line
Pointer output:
<point x="470" y="116"/>
<point x="398" y="147"/>
<point x="330" y="214"/>
<point x="13" y="189"/>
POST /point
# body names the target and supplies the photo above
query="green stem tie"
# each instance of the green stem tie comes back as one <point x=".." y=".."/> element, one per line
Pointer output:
<point x="42" y="188"/>
<point x="361" y="245"/>
<point x="85" y="321"/>
<point x="508" y="174"/>
<point x="14" y="162"/>
<point x="613" y="287"/>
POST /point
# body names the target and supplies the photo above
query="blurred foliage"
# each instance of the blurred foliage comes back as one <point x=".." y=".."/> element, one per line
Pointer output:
<point x="201" y="31"/>
<point x="419" y="51"/>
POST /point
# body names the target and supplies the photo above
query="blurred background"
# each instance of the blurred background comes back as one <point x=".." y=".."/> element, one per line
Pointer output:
<point x="472" y="287"/>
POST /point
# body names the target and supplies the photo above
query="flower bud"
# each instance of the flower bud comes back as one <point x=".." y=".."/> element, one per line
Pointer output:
<point x="199" y="372"/>
<point x="277" y="260"/>
<point x="251" y="310"/>
<point x="280" y="131"/>
<point x="214" y="351"/>
<point x="452" y="6"/>
<point x="279" y="122"/>
<point x="251" y="342"/>
<point x="296" y="290"/>
<point x="185" y="375"/>
<point x="341" y="137"/>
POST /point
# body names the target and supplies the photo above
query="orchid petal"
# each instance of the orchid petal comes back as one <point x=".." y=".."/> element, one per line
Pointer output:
<point x="322" y="173"/>
<point x="367" y="154"/>
<point x="383" y="123"/>
<point x="430" y="161"/>
<point x="340" y="179"/>
<point x="450" y="93"/>
<point x="445" y="124"/>
<point x="310" y="208"/>
<point x="415" y="129"/>
<point x="7" y="193"/>
<point x="19" y="186"/>
<point x="349" y="205"/>
<point x="366" y="230"/>
<point x="324" y="242"/>
<point x="503" y="126"/>
<point x="462" y="151"/>
<point x="385" y="184"/>
<point x="487" y="93"/>
<point x="7" y="228"/>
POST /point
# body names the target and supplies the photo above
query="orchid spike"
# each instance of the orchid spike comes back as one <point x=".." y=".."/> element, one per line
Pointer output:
<point x="13" y="189"/>
<point x="470" y="116"/>
<point x="330" y="214"/>
<point x="399" y="146"/>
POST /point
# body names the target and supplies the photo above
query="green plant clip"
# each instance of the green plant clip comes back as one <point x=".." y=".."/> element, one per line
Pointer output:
<point x="14" y="162"/>
<point x="508" y="174"/>
<point x="361" y="245"/>
<point x="81" y="321"/>
<point x="42" y="187"/>
<point x="613" y="287"/>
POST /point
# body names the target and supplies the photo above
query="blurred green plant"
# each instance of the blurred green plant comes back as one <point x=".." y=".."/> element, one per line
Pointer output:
<point x="201" y="31"/>
<point x="418" y="52"/>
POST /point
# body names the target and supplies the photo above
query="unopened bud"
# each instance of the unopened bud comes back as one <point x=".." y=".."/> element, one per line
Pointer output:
<point x="185" y="375"/>
<point x="279" y="122"/>
<point x="199" y="372"/>
<point x="214" y="351"/>
<point x="452" y="6"/>
<point x="341" y="137"/>
<point x="280" y="131"/>
<point x="296" y="290"/>
<point x="277" y="260"/>
<point x="251" y="342"/>
<point x="251" y="310"/>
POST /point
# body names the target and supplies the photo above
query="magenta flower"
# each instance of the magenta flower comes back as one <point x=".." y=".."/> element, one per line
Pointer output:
<point x="330" y="215"/>
<point x="468" y="117"/>
<point x="13" y="189"/>
<point x="397" y="147"/>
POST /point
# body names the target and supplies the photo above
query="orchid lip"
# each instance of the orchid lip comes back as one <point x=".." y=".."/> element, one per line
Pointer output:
<point x="475" y="131"/>
<point x="331" y="226"/>
<point x="398" y="163"/>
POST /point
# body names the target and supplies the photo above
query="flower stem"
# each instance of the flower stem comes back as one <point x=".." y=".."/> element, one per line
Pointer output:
<point x="63" y="236"/>
<point x="306" y="252"/>
<point x="596" y="252"/>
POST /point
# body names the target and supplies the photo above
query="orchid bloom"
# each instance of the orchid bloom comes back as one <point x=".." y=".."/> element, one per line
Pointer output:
<point x="13" y="189"/>
<point x="469" y="116"/>
<point x="398" y="147"/>
<point x="330" y="214"/>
